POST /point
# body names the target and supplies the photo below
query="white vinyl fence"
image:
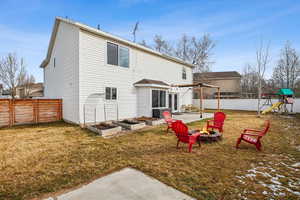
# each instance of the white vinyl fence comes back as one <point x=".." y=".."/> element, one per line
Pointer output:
<point x="239" y="104"/>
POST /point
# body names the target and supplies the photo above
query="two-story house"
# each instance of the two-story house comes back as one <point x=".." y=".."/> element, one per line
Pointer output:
<point x="229" y="81"/>
<point x="103" y="77"/>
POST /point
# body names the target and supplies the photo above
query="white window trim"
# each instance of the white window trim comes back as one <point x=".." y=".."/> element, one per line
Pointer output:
<point x="106" y="57"/>
<point x="111" y="94"/>
<point x="151" y="98"/>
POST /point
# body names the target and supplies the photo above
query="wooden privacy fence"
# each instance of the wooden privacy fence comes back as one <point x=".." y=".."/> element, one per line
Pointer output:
<point x="29" y="111"/>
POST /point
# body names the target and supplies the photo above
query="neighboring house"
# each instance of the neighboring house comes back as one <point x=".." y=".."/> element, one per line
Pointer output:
<point x="229" y="83"/>
<point x="6" y="94"/>
<point x="33" y="90"/>
<point x="103" y="77"/>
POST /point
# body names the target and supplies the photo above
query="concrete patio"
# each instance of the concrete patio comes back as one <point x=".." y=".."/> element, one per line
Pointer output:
<point x="127" y="184"/>
<point x="191" y="117"/>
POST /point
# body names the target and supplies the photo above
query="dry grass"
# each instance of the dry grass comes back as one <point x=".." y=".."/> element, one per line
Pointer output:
<point x="38" y="160"/>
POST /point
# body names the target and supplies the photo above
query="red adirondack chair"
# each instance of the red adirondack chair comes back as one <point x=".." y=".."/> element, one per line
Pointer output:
<point x="168" y="119"/>
<point x="184" y="135"/>
<point x="253" y="136"/>
<point x="217" y="122"/>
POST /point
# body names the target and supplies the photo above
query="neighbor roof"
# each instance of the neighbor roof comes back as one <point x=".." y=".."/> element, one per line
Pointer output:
<point x="106" y="35"/>
<point x="149" y="81"/>
<point x="206" y="75"/>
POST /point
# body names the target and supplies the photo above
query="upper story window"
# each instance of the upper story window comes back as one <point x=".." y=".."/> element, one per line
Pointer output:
<point x="183" y="73"/>
<point x="110" y="93"/>
<point x="124" y="57"/>
<point x="112" y="54"/>
<point x="117" y="55"/>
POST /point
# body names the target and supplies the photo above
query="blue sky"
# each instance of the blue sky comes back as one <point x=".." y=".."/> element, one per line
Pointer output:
<point x="236" y="26"/>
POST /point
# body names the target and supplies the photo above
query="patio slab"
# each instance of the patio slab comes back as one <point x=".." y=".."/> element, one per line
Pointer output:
<point x="192" y="117"/>
<point x="125" y="184"/>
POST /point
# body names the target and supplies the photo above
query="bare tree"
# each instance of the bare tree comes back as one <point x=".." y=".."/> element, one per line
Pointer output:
<point x="162" y="45"/>
<point x="26" y="83"/>
<point x="183" y="49"/>
<point x="11" y="69"/>
<point x="249" y="80"/>
<point x="201" y="53"/>
<point x="196" y="51"/>
<point x="144" y="43"/>
<point x="262" y="60"/>
<point x="287" y="71"/>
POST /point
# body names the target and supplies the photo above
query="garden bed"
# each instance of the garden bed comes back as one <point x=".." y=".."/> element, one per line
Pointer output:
<point x="105" y="129"/>
<point x="150" y="120"/>
<point x="131" y="124"/>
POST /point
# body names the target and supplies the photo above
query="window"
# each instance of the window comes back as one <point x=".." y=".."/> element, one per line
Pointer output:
<point x="117" y="55"/>
<point x="124" y="57"/>
<point x="162" y="97"/>
<point x="114" y="93"/>
<point x="112" y="54"/>
<point x="183" y="73"/>
<point x="158" y="98"/>
<point x="110" y="93"/>
<point x="54" y="62"/>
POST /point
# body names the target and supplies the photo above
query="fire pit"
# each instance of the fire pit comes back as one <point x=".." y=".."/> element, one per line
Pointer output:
<point x="211" y="137"/>
<point x="105" y="129"/>
<point x="131" y="124"/>
<point x="150" y="120"/>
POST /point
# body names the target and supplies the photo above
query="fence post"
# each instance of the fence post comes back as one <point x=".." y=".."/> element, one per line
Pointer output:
<point x="37" y="111"/>
<point x="13" y="105"/>
<point x="10" y="112"/>
<point x="60" y="109"/>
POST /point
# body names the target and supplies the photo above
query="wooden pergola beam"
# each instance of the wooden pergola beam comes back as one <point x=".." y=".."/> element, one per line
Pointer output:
<point x="200" y="86"/>
<point x="196" y="85"/>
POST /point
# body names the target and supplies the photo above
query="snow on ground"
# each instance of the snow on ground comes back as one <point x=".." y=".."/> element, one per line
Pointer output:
<point x="274" y="180"/>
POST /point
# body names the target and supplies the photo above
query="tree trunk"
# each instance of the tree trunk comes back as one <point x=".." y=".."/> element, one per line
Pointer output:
<point x="259" y="96"/>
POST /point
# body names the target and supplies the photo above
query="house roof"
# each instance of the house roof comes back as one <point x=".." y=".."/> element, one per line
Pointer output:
<point x="106" y="35"/>
<point x="207" y="75"/>
<point x="150" y="82"/>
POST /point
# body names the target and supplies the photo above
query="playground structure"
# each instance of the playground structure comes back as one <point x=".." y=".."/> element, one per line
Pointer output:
<point x="285" y="97"/>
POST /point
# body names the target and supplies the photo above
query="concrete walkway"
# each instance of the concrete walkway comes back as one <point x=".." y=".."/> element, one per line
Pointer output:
<point x="127" y="184"/>
<point x="191" y="117"/>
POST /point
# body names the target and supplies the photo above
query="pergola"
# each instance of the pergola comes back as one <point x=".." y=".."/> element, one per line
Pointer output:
<point x="200" y="87"/>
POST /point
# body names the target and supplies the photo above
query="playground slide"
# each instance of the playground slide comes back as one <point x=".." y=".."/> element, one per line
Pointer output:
<point x="275" y="105"/>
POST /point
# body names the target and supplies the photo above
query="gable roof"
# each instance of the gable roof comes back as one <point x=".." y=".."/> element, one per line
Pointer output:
<point x="149" y="81"/>
<point x="106" y="35"/>
<point x="207" y="75"/>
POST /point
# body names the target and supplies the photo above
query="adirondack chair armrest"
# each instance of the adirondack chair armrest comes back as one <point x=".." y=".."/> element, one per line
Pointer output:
<point x="170" y="120"/>
<point x="249" y="134"/>
<point x="251" y="130"/>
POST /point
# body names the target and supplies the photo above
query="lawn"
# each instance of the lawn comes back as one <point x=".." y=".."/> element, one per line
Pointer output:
<point x="38" y="160"/>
